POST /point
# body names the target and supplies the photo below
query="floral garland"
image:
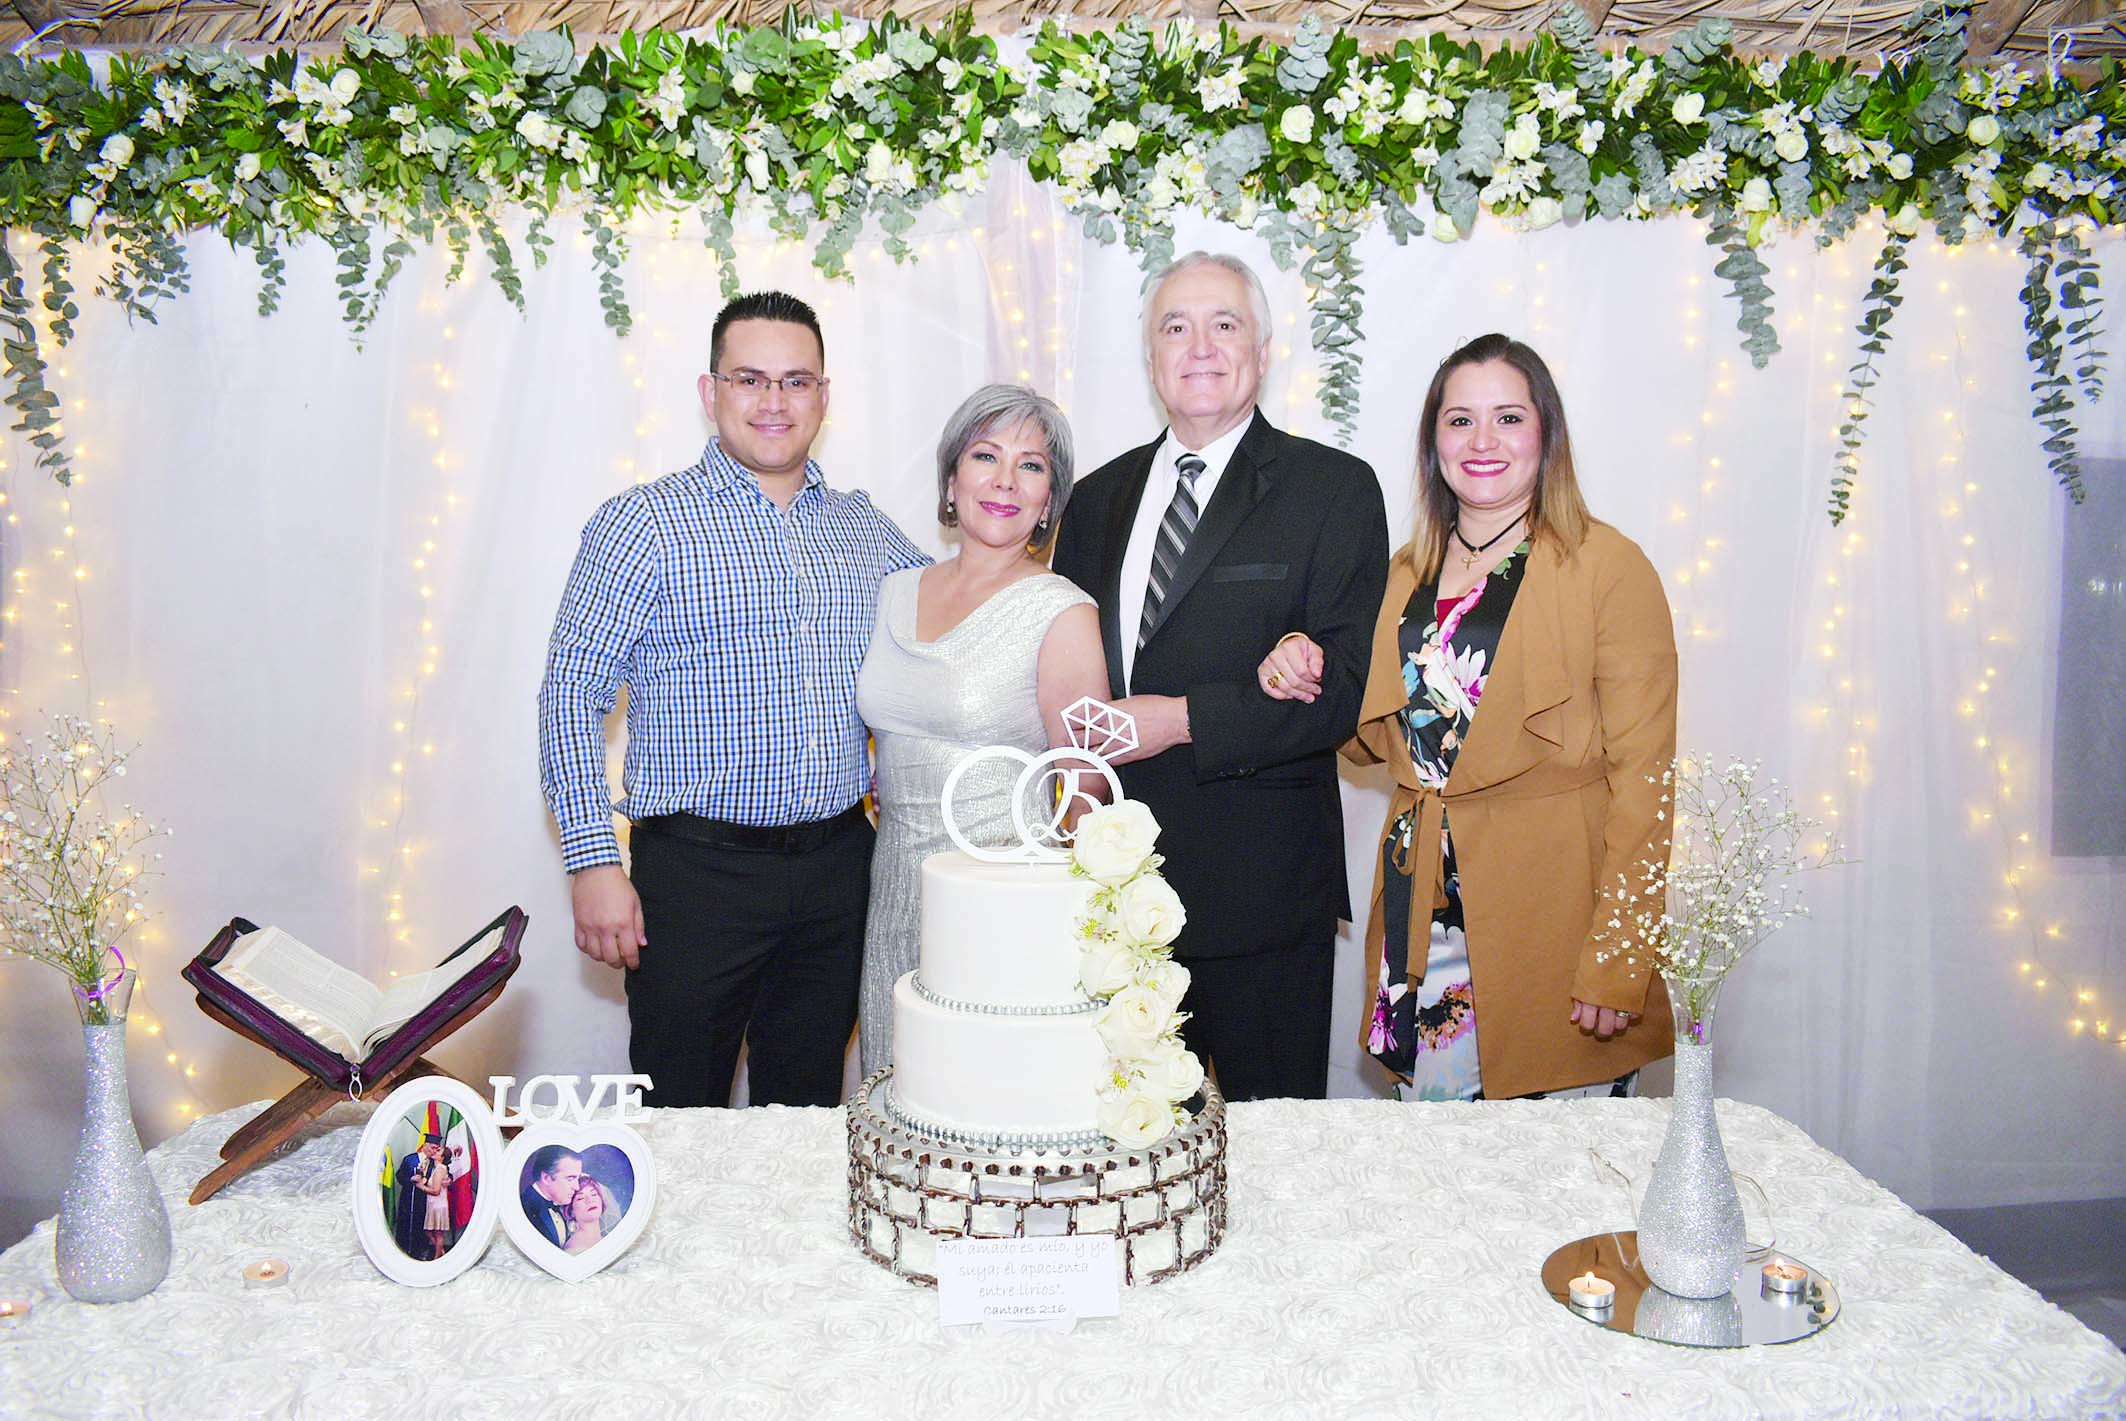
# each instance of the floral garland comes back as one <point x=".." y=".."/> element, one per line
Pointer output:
<point x="827" y="125"/>
<point x="1130" y="922"/>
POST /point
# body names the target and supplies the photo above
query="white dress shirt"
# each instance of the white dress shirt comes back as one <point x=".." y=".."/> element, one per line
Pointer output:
<point x="1144" y="532"/>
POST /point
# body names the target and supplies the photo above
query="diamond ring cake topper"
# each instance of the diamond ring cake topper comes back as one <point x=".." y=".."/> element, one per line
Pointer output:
<point x="1052" y="780"/>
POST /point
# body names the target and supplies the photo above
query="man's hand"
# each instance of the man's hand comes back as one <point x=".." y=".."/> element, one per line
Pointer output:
<point x="608" y="916"/>
<point x="1162" y="723"/>
<point x="1292" y="670"/>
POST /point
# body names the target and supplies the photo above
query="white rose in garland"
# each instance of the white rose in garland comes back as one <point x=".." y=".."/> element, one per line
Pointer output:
<point x="1115" y="841"/>
<point x="1148" y="912"/>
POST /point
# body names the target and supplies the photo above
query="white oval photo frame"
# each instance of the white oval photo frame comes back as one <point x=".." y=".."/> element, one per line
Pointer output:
<point x="375" y="1231"/>
<point x="534" y="1245"/>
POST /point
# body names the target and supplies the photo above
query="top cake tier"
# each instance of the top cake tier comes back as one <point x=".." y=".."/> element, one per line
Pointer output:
<point x="1001" y="934"/>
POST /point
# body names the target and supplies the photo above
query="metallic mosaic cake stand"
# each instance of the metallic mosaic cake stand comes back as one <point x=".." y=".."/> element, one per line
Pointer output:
<point x="1165" y="1203"/>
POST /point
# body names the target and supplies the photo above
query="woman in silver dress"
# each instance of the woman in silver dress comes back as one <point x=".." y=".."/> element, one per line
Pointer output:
<point x="985" y="648"/>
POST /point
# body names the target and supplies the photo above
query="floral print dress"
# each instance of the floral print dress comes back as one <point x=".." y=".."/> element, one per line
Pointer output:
<point x="1426" y="1031"/>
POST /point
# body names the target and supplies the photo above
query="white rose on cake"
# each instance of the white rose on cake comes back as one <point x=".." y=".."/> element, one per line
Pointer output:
<point x="1133" y="1022"/>
<point x="1149" y="913"/>
<point x="1107" y="966"/>
<point x="1114" y="840"/>
<point x="1134" y="1117"/>
<point x="1166" y="980"/>
<point x="1172" y="1072"/>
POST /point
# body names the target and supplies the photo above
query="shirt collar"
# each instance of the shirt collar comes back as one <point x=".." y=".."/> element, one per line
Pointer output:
<point x="1216" y="455"/>
<point x="724" y="472"/>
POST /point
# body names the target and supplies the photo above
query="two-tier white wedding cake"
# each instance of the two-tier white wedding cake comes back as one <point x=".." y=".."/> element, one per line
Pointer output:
<point x="996" y="1042"/>
<point x="1039" y="1084"/>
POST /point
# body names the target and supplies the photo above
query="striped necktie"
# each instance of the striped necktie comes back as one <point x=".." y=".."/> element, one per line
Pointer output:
<point x="1174" y="531"/>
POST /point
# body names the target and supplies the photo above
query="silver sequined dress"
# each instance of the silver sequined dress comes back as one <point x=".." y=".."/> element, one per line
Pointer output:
<point x="929" y="704"/>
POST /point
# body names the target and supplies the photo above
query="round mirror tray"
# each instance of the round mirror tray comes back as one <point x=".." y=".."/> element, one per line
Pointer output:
<point x="1754" y="1313"/>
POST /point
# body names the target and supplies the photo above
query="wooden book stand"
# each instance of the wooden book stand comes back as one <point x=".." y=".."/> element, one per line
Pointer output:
<point x="327" y="1079"/>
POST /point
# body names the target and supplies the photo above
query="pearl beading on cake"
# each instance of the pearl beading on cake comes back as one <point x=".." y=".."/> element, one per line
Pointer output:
<point x="1078" y="1008"/>
<point x="1165" y="1204"/>
<point x="1002" y="1144"/>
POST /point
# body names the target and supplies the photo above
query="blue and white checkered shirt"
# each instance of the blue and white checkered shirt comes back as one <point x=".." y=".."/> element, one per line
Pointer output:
<point x="739" y="628"/>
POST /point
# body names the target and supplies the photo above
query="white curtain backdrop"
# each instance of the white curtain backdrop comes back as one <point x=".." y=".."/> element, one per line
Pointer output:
<point x="315" y="581"/>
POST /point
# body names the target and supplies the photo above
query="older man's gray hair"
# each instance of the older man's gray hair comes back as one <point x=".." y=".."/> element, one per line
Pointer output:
<point x="1258" y="299"/>
<point x="996" y="409"/>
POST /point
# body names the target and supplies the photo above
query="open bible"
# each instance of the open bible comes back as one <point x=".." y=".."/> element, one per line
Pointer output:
<point x="330" y="1021"/>
<point x="344" y="1013"/>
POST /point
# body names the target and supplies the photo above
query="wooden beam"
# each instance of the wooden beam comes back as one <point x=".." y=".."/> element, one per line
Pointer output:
<point x="1994" y="22"/>
<point x="41" y="15"/>
<point x="445" y="17"/>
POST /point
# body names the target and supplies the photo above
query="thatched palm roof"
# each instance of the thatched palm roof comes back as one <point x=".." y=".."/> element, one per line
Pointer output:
<point x="2087" y="29"/>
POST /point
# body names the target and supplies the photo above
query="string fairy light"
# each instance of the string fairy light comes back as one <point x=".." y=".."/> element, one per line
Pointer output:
<point x="40" y="614"/>
<point x="2006" y="817"/>
<point x="1701" y="442"/>
<point x="392" y="857"/>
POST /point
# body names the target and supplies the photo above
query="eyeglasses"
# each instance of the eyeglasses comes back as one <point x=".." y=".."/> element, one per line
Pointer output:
<point x="753" y="382"/>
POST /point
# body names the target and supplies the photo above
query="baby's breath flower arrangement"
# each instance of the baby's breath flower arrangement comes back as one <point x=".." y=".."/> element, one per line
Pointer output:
<point x="1738" y="846"/>
<point x="69" y="874"/>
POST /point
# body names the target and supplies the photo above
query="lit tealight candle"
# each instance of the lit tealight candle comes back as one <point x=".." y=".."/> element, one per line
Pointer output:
<point x="1785" y="1280"/>
<point x="14" y="1309"/>
<point x="1588" y="1291"/>
<point x="267" y="1273"/>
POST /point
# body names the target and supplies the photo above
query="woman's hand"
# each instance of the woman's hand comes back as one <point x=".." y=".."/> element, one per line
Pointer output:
<point x="1604" y="1022"/>
<point x="1292" y="670"/>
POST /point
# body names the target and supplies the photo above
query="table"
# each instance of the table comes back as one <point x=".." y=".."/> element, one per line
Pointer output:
<point x="1381" y="1261"/>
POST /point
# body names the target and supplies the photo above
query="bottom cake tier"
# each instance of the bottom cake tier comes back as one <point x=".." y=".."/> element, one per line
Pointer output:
<point x="1164" y="1203"/>
<point x="1021" y="1079"/>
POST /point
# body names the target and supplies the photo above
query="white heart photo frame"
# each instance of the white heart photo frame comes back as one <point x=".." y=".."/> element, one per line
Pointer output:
<point x="602" y="1169"/>
<point x="393" y="1172"/>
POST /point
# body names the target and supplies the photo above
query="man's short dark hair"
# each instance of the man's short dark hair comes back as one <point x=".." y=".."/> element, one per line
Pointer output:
<point x="547" y="1158"/>
<point x="764" y="306"/>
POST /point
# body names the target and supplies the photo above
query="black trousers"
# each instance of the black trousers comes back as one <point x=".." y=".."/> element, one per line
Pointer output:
<point x="1261" y="1022"/>
<point x="747" y="946"/>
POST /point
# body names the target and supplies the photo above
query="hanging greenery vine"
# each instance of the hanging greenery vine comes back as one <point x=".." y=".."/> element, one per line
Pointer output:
<point x="1877" y="308"/>
<point x="828" y="127"/>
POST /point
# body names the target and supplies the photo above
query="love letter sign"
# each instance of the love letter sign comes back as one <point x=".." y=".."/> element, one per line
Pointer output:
<point x="547" y="1099"/>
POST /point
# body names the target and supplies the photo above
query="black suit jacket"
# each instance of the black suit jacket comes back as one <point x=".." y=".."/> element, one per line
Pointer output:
<point x="536" y="1208"/>
<point x="1295" y="539"/>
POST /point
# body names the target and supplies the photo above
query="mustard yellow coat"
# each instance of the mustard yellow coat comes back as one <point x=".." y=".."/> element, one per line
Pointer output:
<point x="1556" y="793"/>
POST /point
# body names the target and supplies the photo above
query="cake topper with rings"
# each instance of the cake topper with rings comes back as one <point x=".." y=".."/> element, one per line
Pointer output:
<point x="1054" y="779"/>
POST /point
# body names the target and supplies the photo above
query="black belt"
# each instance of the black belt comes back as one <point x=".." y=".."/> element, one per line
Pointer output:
<point x="754" y="838"/>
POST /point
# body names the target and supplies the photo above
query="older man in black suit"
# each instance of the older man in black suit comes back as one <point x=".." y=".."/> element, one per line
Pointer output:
<point x="1203" y="548"/>
<point x="555" y="1172"/>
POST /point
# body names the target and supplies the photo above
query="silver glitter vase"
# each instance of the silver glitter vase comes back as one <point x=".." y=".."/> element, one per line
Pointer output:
<point x="1690" y="1224"/>
<point x="114" y="1234"/>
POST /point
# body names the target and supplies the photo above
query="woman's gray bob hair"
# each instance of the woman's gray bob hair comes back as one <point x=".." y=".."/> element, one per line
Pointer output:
<point x="995" y="408"/>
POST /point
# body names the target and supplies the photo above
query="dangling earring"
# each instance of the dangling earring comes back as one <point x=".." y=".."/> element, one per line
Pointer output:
<point x="952" y="516"/>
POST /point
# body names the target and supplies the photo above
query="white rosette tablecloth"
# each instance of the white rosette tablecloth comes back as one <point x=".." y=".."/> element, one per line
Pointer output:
<point x="1381" y="1260"/>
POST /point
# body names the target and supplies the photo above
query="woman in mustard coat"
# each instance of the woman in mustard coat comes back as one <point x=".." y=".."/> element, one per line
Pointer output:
<point x="1523" y="693"/>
